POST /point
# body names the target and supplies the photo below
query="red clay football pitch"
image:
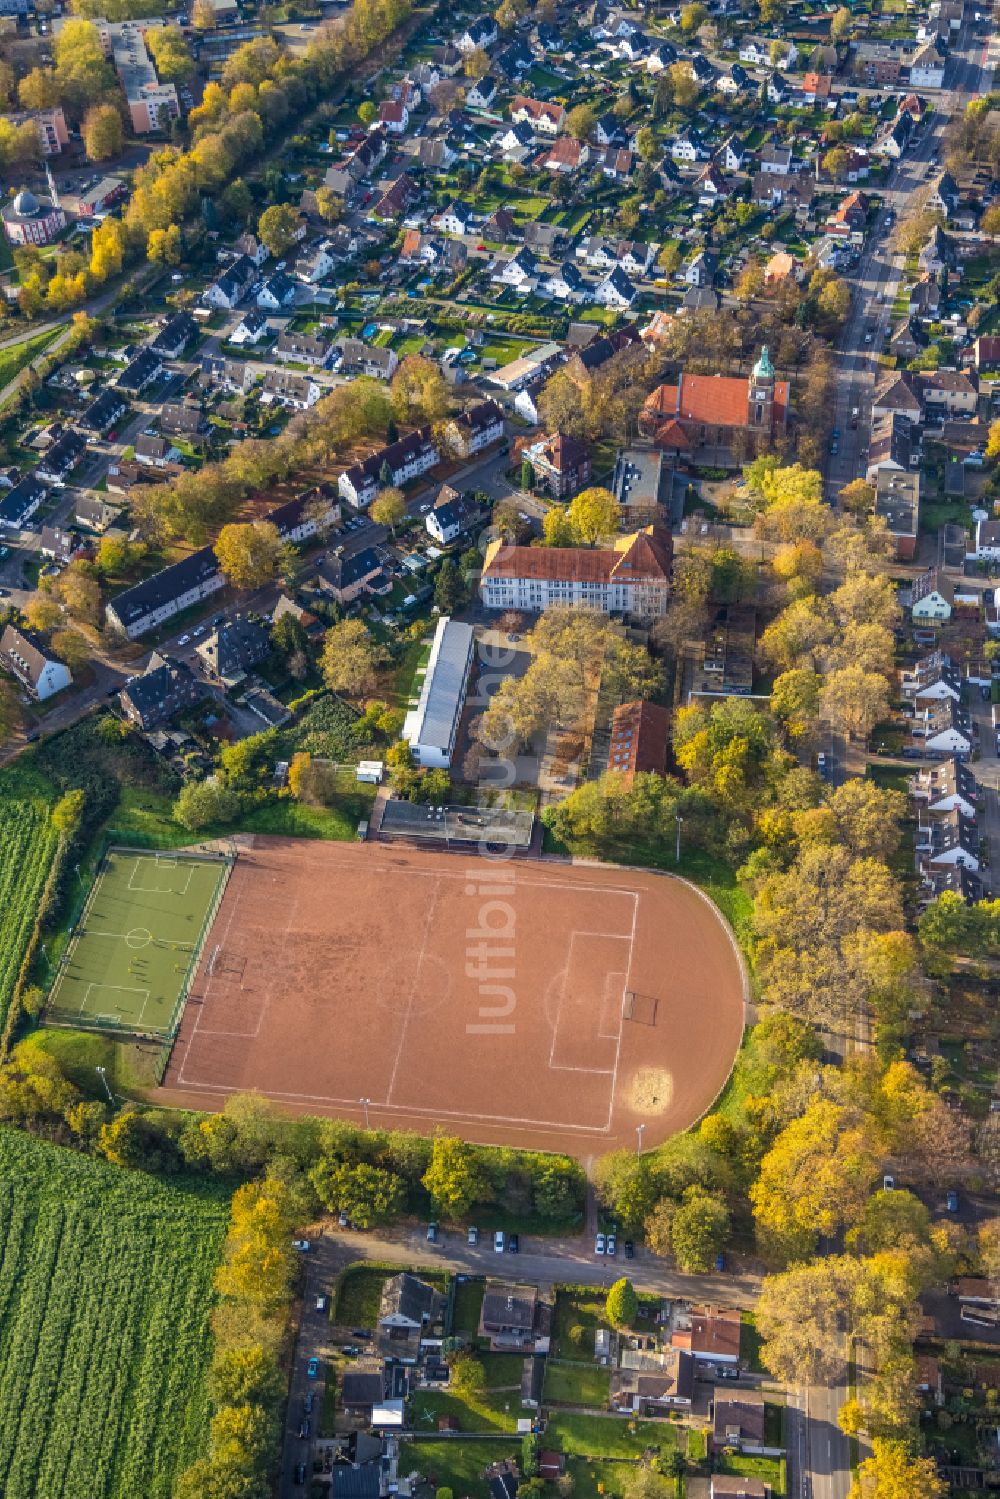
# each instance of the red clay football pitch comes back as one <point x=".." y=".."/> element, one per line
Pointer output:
<point x="521" y="1002"/>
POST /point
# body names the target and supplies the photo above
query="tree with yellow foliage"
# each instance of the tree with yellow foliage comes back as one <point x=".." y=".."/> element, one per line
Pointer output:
<point x="814" y="1180"/>
<point x="892" y="1472"/>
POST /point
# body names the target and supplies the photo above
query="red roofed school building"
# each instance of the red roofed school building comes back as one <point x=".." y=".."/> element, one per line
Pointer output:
<point x="631" y="577"/>
<point x="716" y="419"/>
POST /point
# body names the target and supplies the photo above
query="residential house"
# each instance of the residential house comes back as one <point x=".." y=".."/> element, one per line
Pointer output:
<point x="26" y="657"/>
<point x="452" y="514"/>
<point x="947" y="787"/>
<point x="618" y="163"/>
<point x="700" y="269"/>
<point x="235" y="646"/>
<point x="688" y="146"/>
<point x="565" y="284"/>
<point x="345" y="578"/>
<point x="284" y="388"/>
<point x="898" y="393"/>
<point x="945" y="727"/>
<point x="60" y="546"/>
<point x="408" y="1311"/>
<point x="476" y="428"/>
<point x="738" y="1419"/>
<point x="59" y="461"/>
<point x="944" y="195"/>
<point x="949" y="391"/>
<point x="175" y="335"/>
<point x="482" y="94"/>
<point x="360" y="358"/>
<point x="559" y="463"/>
<point x="232" y="376"/>
<point x="615" y="291"/>
<point x="457" y="218"/>
<point x="630" y="577"/>
<point x="893" y="141"/>
<point x="103" y="413"/>
<point x="19" y="503"/>
<point x="140" y="372"/>
<point x="897" y="502"/>
<point x="155" y="451"/>
<point x="927" y="67"/>
<point x="651" y="1383"/>
<point x="932" y="597"/>
<point x="482" y="32"/>
<point x="232" y="286"/>
<point x="94" y="512"/>
<point x="301" y="348"/>
<point x="711" y="1334"/>
<point x="147" y="605"/>
<point x="925" y="299"/>
<point x="731" y="154"/>
<point x="251" y="328"/>
<point x="565" y="155"/>
<point x="519" y="271"/>
<point x="738" y="1486"/>
<point x="938" y="254"/>
<point x="775" y="160"/>
<point x="166" y="687"/>
<point x="277" y="292"/>
<point x="543" y="118"/>
<point x="514" y="1317"/>
<point x="395" y="464"/>
<point x="393" y="116"/>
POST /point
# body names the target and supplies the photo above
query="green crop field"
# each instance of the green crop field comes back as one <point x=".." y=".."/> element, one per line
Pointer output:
<point x="105" y="1286"/>
<point x="27" y="845"/>
<point x="136" y="946"/>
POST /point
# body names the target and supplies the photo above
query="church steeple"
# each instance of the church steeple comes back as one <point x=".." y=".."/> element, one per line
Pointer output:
<point x="760" y="394"/>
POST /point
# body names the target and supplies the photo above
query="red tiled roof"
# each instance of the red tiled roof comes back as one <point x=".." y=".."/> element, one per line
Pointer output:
<point x="646" y="558"/>
<point x="672" y="435"/>
<point x="639" y="736"/>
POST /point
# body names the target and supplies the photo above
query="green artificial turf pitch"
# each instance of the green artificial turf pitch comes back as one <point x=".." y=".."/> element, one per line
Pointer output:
<point x="135" y="948"/>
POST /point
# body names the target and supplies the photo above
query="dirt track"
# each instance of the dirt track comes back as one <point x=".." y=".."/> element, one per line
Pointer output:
<point x="523" y="1002"/>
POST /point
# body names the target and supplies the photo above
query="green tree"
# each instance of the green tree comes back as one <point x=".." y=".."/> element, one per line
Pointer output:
<point x="103" y="132"/>
<point x="388" y="508"/>
<point x="594" y="515"/>
<point x="200" y="804"/>
<point x="368" y="1194"/>
<point x="245" y="1374"/>
<point x="351" y="658"/>
<point x="625" y="1186"/>
<point x="580" y="122"/>
<point x="700" y="1230"/>
<point x="466" y="1377"/>
<point x="455" y="1177"/>
<point x="622" y="1305"/>
<point x="450" y="590"/>
<point x="367" y="112"/>
<point x="276" y="228"/>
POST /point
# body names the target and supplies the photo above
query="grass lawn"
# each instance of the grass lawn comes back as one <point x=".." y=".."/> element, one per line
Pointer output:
<point x="607" y="1436"/>
<point x="468" y="1305"/>
<point x="503" y="1370"/>
<point x="750" y="1341"/>
<point x="495" y="1411"/>
<point x="578" y="1308"/>
<point x="458" y="1466"/>
<point x="596" y="1478"/>
<point x="359" y="1294"/>
<point x="14" y="359"/>
<point x="576" y="1384"/>
<point x="770" y="1469"/>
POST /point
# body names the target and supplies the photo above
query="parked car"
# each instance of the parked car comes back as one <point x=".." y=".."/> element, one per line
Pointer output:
<point x="498" y="1241"/>
<point x="513" y="1244"/>
<point x="312" y="1369"/>
<point x="302" y="1245"/>
<point x="599" y="1244"/>
<point x="343" y="1220"/>
<point x="612" y="1244"/>
<point x="300" y="1472"/>
<point x="432" y="1233"/>
<point x="629" y="1250"/>
<point x="952" y="1200"/>
<point x="472" y="1237"/>
<point x="307" y="1403"/>
<point x="321" y="1303"/>
<point x="888" y="1183"/>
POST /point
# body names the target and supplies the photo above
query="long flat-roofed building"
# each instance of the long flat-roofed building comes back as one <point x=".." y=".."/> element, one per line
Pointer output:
<point x="431" y="728"/>
<point x="897" y="501"/>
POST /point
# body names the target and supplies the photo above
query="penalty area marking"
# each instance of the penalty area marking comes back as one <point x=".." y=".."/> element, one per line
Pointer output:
<point x="159" y="889"/>
<point x="118" y="989"/>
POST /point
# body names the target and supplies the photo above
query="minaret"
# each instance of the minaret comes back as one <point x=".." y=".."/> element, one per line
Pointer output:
<point x="53" y="194"/>
<point x="760" y="395"/>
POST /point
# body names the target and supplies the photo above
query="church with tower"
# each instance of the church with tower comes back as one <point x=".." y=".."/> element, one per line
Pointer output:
<point x="718" y="420"/>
